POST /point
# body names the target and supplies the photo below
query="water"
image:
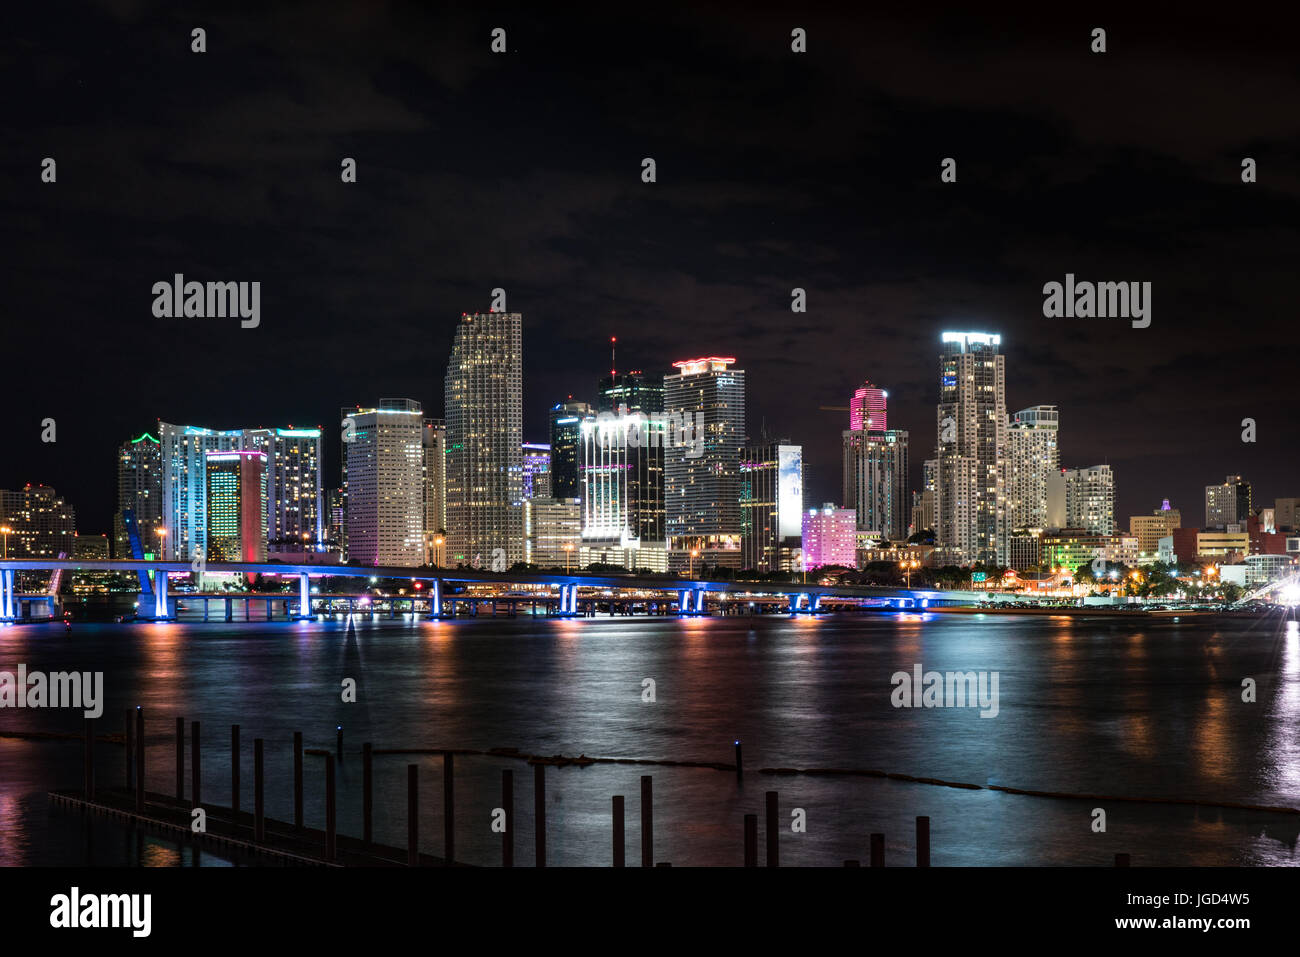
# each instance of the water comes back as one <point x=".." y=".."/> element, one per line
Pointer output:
<point x="1133" y="708"/>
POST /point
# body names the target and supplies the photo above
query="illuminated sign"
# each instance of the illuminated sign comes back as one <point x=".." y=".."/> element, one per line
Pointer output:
<point x="790" y="491"/>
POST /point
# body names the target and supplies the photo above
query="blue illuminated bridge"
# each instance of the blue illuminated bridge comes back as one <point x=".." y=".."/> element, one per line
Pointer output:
<point x="447" y="593"/>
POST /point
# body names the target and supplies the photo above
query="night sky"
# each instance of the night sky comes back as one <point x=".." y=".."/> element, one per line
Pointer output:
<point x="775" y="170"/>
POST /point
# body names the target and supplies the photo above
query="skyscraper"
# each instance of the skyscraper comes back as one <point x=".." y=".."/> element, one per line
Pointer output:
<point x="702" y="478"/>
<point x="1033" y="456"/>
<point x="41" y="524"/>
<point x="972" y="427"/>
<point x="1088" y="496"/>
<point x="139" y="488"/>
<point x="875" y="483"/>
<point x="829" y="537"/>
<point x="566" y="447"/>
<point x="435" y="489"/>
<point x="537" y="470"/>
<point x="484" y="398"/>
<point x="184" y="450"/>
<point x="771" y="506"/>
<point x="1228" y="504"/>
<point x="384" y="461"/>
<point x="236" y="505"/>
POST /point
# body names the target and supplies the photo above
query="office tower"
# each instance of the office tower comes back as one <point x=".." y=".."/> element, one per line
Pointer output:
<point x="1082" y="498"/>
<point x="553" y="532"/>
<point x="829" y="537"/>
<point x="622" y="490"/>
<point x="867" y="409"/>
<point x="384" y="460"/>
<point x="484" y="399"/>
<point x="537" y="470"/>
<point x="294" y="519"/>
<point x="630" y="390"/>
<point x="702" y="476"/>
<point x="337" y="534"/>
<point x="434" y="467"/>
<point x="1149" y="529"/>
<point x="41" y="524"/>
<point x="566" y="447"/>
<point x="771" y="506"/>
<point x="139" y="488"/>
<point x="925" y="503"/>
<point x="1227" y="504"/>
<point x="875" y="482"/>
<point x="1025" y="549"/>
<point x="972" y="425"/>
<point x="236" y="506"/>
<point x="1033" y="455"/>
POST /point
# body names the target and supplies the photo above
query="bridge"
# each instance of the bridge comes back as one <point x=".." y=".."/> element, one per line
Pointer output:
<point x="443" y="590"/>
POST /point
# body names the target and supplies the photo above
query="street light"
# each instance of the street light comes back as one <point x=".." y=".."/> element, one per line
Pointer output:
<point x="568" y="552"/>
<point x="437" y="555"/>
<point x="162" y="542"/>
<point x="6" y="531"/>
<point x="907" y="568"/>
<point x="695" y="553"/>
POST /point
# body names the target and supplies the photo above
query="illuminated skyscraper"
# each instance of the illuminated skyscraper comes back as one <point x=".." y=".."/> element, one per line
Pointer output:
<point x="566" y="447"/>
<point x="829" y="537"/>
<point x="972" y="426"/>
<point x="875" y="482"/>
<point x="483" y="389"/>
<point x="294" y="517"/>
<point x="771" y="506"/>
<point x="139" y="488"/>
<point x="236" y="506"/>
<point x="385" y="483"/>
<point x="435" y="489"/>
<point x="537" y="470"/>
<point x="867" y="409"/>
<point x="1033" y="456"/>
<point x="1228" y="504"/>
<point x="702" y="476"/>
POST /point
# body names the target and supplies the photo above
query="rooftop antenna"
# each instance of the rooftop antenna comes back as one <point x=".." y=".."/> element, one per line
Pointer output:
<point x="612" y="364"/>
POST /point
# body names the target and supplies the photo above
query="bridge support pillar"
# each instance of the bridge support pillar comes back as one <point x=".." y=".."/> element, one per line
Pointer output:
<point x="8" y="596"/>
<point x="160" y="608"/>
<point x="435" y="599"/>
<point x="684" y="602"/>
<point x="230" y="609"/>
<point x="304" y="597"/>
<point x="816" y="604"/>
<point x="699" y="602"/>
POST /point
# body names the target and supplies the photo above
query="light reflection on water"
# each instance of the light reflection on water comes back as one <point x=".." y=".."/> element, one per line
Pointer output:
<point x="1090" y="706"/>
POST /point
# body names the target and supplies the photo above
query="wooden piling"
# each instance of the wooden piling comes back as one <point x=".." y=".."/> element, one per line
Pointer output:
<point x="194" y="764"/>
<point x="773" y="849"/>
<point x="412" y="815"/>
<point x="297" y="779"/>
<point x="128" y="738"/>
<point x="448" y="809"/>
<point x="139" y="761"/>
<point x="740" y="767"/>
<point x="539" y="811"/>
<point x="89" y="758"/>
<point x="508" y="806"/>
<point x="259" y="793"/>
<point x="234" y="772"/>
<point x="367" y="793"/>
<point x="180" y="759"/>
<point x="647" y="821"/>
<point x="620" y="855"/>
<point x="751" y="840"/>
<point x="877" y="850"/>
<point x="330" y="809"/>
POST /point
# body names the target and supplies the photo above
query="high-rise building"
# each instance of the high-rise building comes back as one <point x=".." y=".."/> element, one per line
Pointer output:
<point x="483" y="389"/>
<point x="1149" y="529"/>
<point x="972" y="427"/>
<point x="622" y="490"/>
<point x="140" y="489"/>
<point x="236" y="506"/>
<point x="41" y="524"/>
<point x="294" y="519"/>
<point x="702" y="477"/>
<point x="875" y="478"/>
<point x="867" y="409"/>
<point x="434" y="444"/>
<point x="1089" y="499"/>
<point x="630" y="390"/>
<point x="337" y="533"/>
<point x="566" y="447"/>
<point x="537" y="470"/>
<point x="829" y="537"/>
<point x="925" y="502"/>
<point x="1033" y="455"/>
<point x="1286" y="514"/>
<point x="771" y="506"/>
<point x="553" y="532"/>
<point x="1227" y="504"/>
<point x="384" y="462"/>
<point x="292" y="494"/>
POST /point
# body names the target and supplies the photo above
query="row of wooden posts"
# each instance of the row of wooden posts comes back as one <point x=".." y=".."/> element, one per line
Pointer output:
<point x="134" y="740"/>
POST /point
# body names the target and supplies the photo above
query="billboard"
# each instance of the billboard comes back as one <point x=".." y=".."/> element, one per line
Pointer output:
<point x="790" y="491"/>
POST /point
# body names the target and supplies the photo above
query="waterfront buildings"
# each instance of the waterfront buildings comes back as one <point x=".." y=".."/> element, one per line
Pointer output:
<point x="537" y="470"/>
<point x="434" y="444"/>
<point x="384" y="479"/>
<point x="1033" y="456"/>
<point x="139" y="488"/>
<point x="1149" y="529"/>
<point x="771" y="506"/>
<point x="553" y="533"/>
<point x="829" y="537"/>
<point x="566" y="447"/>
<point x="1227" y="504"/>
<point x="236" y="512"/>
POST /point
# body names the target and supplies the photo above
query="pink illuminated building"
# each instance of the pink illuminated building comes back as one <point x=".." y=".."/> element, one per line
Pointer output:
<point x="867" y="410"/>
<point x="829" y="537"/>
